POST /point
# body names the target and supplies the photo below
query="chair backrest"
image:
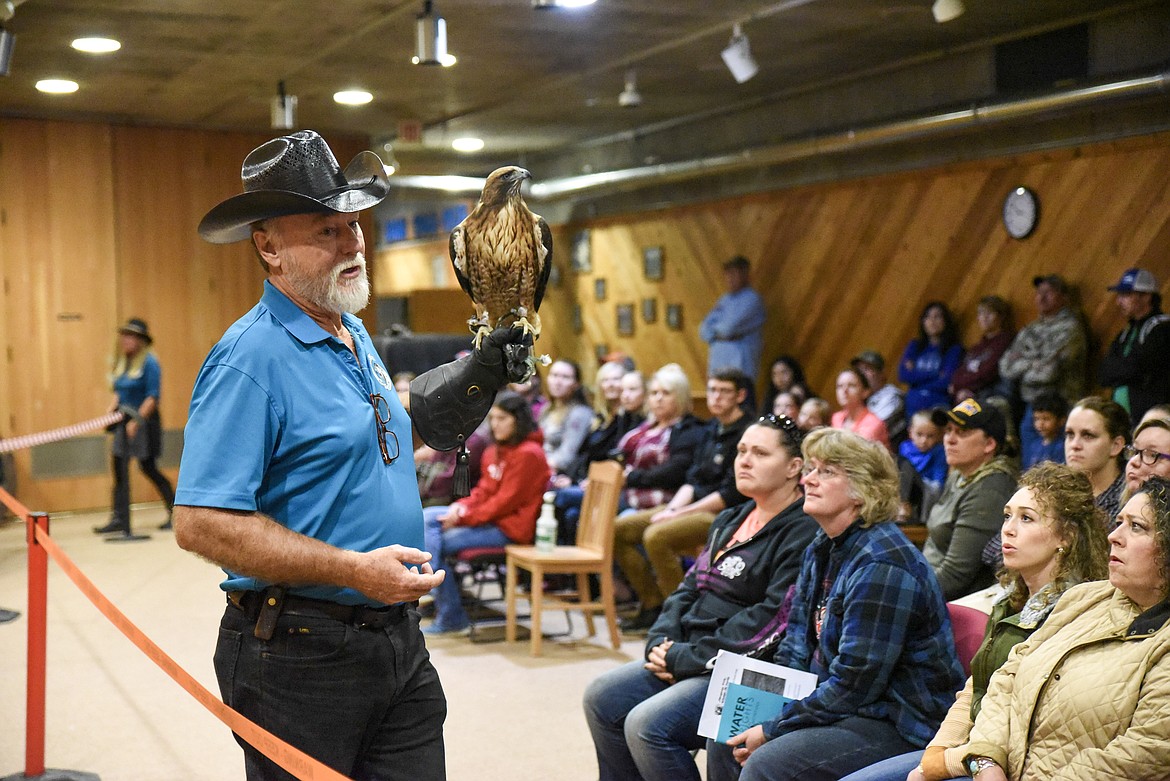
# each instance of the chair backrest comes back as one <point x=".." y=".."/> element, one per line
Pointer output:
<point x="968" y="624"/>
<point x="599" y="507"/>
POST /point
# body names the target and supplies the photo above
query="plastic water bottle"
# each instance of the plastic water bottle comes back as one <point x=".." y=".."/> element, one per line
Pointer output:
<point x="546" y="525"/>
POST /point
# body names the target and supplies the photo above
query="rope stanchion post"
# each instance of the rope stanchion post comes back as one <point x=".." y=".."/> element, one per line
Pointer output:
<point x="38" y="609"/>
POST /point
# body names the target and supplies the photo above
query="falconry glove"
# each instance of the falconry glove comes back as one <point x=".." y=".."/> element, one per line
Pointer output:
<point x="449" y="402"/>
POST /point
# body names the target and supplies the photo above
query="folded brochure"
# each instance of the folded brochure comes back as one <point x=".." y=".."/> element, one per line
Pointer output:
<point x="729" y="668"/>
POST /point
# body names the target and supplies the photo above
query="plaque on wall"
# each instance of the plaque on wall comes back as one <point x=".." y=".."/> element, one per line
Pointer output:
<point x="649" y="310"/>
<point x="578" y="319"/>
<point x="674" y="317"/>
<point x="601" y="350"/>
<point x="599" y="289"/>
<point x="581" y="255"/>
<point x="652" y="263"/>
<point x="625" y="319"/>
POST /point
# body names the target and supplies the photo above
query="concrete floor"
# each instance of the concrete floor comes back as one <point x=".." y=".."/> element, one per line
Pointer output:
<point x="113" y="713"/>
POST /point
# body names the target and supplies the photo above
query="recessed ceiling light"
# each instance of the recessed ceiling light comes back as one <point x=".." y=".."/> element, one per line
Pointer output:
<point x="467" y="144"/>
<point x="562" y="3"/>
<point x="57" y="86"/>
<point x="96" y="45"/>
<point x="352" y="97"/>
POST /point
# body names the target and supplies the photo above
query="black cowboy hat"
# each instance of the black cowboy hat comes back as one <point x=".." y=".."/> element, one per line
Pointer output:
<point x="138" y="328"/>
<point x="295" y="174"/>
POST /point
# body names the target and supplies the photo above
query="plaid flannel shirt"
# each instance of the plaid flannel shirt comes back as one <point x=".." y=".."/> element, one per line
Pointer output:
<point x="886" y="649"/>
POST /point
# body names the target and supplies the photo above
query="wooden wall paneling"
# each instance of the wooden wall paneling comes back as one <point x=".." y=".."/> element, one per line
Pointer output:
<point x="58" y="252"/>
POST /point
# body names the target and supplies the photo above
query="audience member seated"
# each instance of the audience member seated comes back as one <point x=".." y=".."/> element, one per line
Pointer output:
<point x="657" y="453"/>
<point x="978" y="374"/>
<point x="785" y="404"/>
<point x="922" y="467"/>
<point x="970" y="510"/>
<point x="1049" y="412"/>
<point x="1149" y="456"/>
<point x="644" y="715"/>
<point x="814" y="413"/>
<point x="1095" y="436"/>
<point x="649" y="544"/>
<point x="1085" y="697"/>
<point x="501" y="509"/>
<point x="1053" y="539"/>
<point x="436" y="468"/>
<point x="930" y="360"/>
<point x="785" y="376"/>
<point x="886" y="400"/>
<point x="867" y="618"/>
<point x="852" y="391"/>
<point x="565" y="421"/>
<point x="600" y="444"/>
<point x="1048" y="354"/>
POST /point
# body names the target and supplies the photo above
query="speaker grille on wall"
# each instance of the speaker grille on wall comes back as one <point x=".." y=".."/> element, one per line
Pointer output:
<point x="1043" y="61"/>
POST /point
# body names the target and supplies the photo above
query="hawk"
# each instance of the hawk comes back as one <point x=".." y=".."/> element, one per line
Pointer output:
<point x="502" y="254"/>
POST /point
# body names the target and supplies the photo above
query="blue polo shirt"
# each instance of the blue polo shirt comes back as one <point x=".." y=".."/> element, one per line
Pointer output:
<point x="132" y="391"/>
<point x="281" y="423"/>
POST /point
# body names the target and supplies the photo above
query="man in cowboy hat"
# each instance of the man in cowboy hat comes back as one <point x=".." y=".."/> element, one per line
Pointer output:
<point x="298" y="478"/>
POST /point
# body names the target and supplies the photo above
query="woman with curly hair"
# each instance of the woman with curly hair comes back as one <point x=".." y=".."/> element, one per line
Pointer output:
<point x="1053" y="538"/>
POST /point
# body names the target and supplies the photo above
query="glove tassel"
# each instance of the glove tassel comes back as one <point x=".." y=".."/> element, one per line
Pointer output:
<point x="461" y="481"/>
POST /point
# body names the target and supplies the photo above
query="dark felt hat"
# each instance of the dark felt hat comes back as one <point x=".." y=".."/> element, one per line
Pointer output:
<point x="138" y="328"/>
<point x="295" y="174"/>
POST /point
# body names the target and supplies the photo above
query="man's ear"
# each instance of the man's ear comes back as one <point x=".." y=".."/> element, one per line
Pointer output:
<point x="265" y="244"/>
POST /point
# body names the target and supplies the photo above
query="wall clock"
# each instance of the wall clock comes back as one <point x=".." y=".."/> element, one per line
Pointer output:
<point x="1021" y="211"/>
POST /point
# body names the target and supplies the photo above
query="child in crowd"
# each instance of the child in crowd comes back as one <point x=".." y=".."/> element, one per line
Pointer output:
<point x="1049" y="412"/>
<point x="786" y="404"/>
<point x="814" y="413"/>
<point x="922" y="466"/>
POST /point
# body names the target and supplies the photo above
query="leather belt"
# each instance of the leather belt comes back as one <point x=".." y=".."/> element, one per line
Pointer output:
<point x="361" y="616"/>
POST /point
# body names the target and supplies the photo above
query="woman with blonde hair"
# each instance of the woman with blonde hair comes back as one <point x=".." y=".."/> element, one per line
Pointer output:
<point x="136" y="379"/>
<point x="867" y="617"/>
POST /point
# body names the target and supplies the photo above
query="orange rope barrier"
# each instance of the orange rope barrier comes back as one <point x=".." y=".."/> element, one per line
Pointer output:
<point x="287" y="756"/>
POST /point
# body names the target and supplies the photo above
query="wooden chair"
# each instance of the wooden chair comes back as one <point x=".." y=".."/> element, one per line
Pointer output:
<point x="592" y="555"/>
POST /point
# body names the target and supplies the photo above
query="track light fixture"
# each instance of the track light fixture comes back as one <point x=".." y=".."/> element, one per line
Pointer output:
<point x="630" y="97"/>
<point x="284" y="109"/>
<point x="547" y="4"/>
<point x="430" y="37"/>
<point x="738" y="56"/>
<point x="7" y="41"/>
<point x="947" y="10"/>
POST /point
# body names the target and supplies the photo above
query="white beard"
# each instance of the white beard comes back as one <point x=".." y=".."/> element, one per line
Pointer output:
<point x="329" y="291"/>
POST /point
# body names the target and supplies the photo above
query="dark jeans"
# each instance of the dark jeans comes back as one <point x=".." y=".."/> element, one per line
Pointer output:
<point x="643" y="728"/>
<point x="811" y="754"/>
<point x="122" y="486"/>
<point x="365" y="702"/>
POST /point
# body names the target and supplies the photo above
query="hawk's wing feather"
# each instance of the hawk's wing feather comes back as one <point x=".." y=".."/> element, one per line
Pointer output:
<point x="546" y="261"/>
<point x="458" y="249"/>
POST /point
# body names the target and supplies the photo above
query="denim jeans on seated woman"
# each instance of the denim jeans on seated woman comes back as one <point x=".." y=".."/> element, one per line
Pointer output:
<point x="892" y="769"/>
<point x="449" y="612"/>
<point x="644" y="728"/>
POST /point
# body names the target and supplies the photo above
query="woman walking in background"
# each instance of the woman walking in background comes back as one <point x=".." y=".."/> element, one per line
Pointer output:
<point x="136" y="379"/>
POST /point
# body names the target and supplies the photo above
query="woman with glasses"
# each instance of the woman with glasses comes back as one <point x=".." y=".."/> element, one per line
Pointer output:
<point x="867" y="617"/>
<point x="644" y="715"/>
<point x="502" y="508"/>
<point x="136" y="381"/>
<point x="1149" y="455"/>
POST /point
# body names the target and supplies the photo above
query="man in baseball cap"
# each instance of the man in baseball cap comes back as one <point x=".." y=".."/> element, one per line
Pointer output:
<point x="1137" y="365"/>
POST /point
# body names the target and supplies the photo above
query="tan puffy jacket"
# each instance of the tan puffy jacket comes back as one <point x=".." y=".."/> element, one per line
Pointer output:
<point x="1082" y="700"/>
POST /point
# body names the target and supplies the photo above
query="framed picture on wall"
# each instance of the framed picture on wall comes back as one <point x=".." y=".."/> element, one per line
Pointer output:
<point x="674" y="317"/>
<point x="581" y="256"/>
<point x="599" y="289"/>
<point x="649" y="310"/>
<point x="578" y="320"/>
<point x="600" y="351"/>
<point x="554" y="276"/>
<point x="652" y="263"/>
<point x="625" y="319"/>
